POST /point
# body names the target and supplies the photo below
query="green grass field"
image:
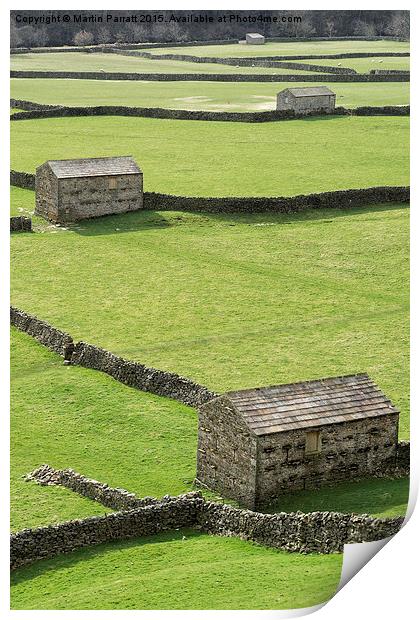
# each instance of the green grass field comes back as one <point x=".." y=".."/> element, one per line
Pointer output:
<point x="177" y="570"/>
<point x="380" y="497"/>
<point x="364" y="65"/>
<point x="80" y="61"/>
<point x="119" y="435"/>
<point x="178" y="157"/>
<point x="213" y="96"/>
<point x="292" y="48"/>
<point x="296" y="297"/>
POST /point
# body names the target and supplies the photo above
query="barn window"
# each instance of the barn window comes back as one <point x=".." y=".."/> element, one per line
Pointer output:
<point x="112" y="183"/>
<point x="313" y="442"/>
<point x="286" y="100"/>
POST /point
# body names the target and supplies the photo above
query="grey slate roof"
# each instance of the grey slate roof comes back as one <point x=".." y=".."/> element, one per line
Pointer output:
<point x="310" y="91"/>
<point x="311" y="403"/>
<point x="93" y="167"/>
<point x="255" y="35"/>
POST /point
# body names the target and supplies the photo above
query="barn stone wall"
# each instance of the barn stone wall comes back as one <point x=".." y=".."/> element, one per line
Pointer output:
<point x="226" y="453"/>
<point x="46" y="194"/>
<point x="304" y="105"/>
<point x="350" y="450"/>
<point x="70" y="200"/>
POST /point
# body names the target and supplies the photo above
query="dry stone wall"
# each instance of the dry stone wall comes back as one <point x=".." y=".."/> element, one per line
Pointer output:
<point x="19" y="223"/>
<point x="204" y="115"/>
<point x="319" y="532"/>
<point x="130" y="373"/>
<point x="340" y="199"/>
<point x="30" y="545"/>
<point x="336" y="56"/>
<point x="240" y="62"/>
<point x="403" y="456"/>
<point x="213" y="77"/>
<point x="24" y="180"/>
<point x="23" y="104"/>
<point x="115" y="498"/>
<point x="54" y="339"/>
<point x="141" y="377"/>
<point x="388" y="71"/>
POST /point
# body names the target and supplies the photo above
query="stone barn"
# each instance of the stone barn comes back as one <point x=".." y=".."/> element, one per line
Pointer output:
<point x="254" y="38"/>
<point x="256" y="445"/>
<point x="306" y="100"/>
<point x="68" y="190"/>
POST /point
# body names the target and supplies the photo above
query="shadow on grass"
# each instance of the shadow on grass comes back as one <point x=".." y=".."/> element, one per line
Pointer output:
<point x="381" y="497"/>
<point x="66" y="560"/>
<point x="148" y="220"/>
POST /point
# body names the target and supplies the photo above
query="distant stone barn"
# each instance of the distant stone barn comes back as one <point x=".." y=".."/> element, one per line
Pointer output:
<point x="306" y="100"/>
<point x="256" y="445"/>
<point x="68" y="190"/>
<point x="254" y="38"/>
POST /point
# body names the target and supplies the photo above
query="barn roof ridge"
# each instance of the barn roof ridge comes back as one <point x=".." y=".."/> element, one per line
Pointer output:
<point x="309" y="91"/>
<point x="312" y="403"/>
<point x="93" y="166"/>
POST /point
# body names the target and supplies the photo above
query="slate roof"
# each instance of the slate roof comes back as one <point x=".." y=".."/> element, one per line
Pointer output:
<point x="255" y="35"/>
<point x="93" y="167"/>
<point x="309" y="404"/>
<point x="310" y="91"/>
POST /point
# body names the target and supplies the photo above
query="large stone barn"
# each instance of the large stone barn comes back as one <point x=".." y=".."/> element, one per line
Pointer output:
<point x="306" y="100"/>
<point x="68" y="190"/>
<point x="254" y="38"/>
<point x="256" y="445"/>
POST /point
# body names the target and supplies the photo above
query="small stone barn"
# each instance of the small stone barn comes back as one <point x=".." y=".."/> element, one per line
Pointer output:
<point x="254" y="38"/>
<point x="68" y="190"/>
<point x="256" y="445"/>
<point x="306" y="100"/>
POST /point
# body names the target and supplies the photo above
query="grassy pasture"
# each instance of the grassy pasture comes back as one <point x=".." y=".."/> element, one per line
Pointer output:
<point x="232" y="159"/>
<point x="82" y="61"/>
<point x="296" y="297"/>
<point x="177" y="570"/>
<point x="213" y="96"/>
<point x="380" y="497"/>
<point x="364" y="65"/>
<point x="119" y="435"/>
<point x="292" y="48"/>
